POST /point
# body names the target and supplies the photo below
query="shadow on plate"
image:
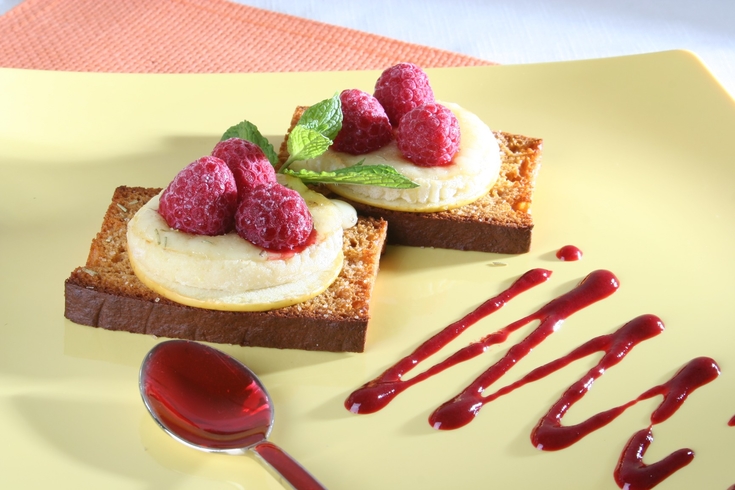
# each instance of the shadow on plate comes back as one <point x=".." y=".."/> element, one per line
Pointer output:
<point x="129" y="349"/>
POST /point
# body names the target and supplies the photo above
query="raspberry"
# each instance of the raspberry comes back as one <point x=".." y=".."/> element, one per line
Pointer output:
<point x="428" y="135"/>
<point x="365" y="126"/>
<point x="201" y="199"/>
<point x="274" y="217"/>
<point x="247" y="161"/>
<point x="402" y="87"/>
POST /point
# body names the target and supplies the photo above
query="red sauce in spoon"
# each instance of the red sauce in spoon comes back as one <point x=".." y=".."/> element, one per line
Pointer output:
<point x="212" y="402"/>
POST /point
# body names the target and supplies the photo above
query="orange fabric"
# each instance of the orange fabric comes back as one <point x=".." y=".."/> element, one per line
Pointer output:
<point x="193" y="36"/>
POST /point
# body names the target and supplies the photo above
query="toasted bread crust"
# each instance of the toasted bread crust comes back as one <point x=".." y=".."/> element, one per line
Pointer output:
<point x="106" y="293"/>
<point x="500" y="222"/>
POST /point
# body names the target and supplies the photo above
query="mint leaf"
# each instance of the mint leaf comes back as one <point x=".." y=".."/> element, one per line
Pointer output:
<point x="324" y="117"/>
<point x="315" y="131"/>
<point x="249" y="131"/>
<point x="379" y="175"/>
<point x="305" y="143"/>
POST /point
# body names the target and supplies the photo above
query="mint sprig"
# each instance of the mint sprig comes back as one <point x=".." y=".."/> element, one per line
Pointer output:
<point x="305" y="143"/>
<point x="324" y="117"/>
<point x="315" y="131"/>
<point x="312" y="136"/>
<point x="248" y="131"/>
<point x="378" y="175"/>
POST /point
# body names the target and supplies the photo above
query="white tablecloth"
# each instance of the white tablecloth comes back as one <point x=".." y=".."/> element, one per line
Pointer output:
<point x="531" y="31"/>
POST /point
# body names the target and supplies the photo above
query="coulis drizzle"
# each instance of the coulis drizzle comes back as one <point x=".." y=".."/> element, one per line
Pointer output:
<point x="549" y="434"/>
<point x="377" y="393"/>
<point x="463" y="408"/>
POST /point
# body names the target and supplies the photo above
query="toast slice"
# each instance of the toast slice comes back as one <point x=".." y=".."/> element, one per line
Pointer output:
<point x="106" y="293"/>
<point x="499" y="222"/>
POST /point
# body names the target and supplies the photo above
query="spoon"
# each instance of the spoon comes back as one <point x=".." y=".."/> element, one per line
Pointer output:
<point x="210" y="401"/>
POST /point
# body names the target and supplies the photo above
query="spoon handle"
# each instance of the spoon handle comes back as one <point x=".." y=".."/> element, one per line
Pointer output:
<point x="287" y="467"/>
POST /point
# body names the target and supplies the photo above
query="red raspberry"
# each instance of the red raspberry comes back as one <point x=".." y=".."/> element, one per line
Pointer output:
<point x="274" y="217"/>
<point x="402" y="87"/>
<point x="247" y="161"/>
<point x="428" y="135"/>
<point x="201" y="199"/>
<point x="365" y="126"/>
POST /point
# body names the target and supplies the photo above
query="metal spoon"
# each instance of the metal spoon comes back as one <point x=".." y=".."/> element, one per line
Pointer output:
<point x="210" y="401"/>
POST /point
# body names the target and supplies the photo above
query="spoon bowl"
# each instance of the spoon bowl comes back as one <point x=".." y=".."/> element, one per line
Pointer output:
<point x="210" y="401"/>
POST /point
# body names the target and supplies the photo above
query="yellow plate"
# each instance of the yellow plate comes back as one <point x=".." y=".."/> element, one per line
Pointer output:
<point x="638" y="172"/>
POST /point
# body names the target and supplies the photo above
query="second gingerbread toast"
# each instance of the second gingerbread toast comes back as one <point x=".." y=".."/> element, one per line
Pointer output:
<point x="499" y="222"/>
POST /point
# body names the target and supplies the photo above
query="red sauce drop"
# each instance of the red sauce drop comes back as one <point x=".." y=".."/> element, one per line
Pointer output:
<point x="569" y="253"/>
<point x="550" y="434"/>
<point x="206" y="397"/>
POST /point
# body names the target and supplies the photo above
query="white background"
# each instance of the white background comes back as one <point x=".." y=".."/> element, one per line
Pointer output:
<point x="530" y="31"/>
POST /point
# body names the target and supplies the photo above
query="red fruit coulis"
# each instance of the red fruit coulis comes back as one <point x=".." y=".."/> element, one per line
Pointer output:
<point x="276" y="255"/>
<point x="209" y="399"/>
<point x="205" y="396"/>
<point x="569" y="253"/>
<point x="549" y="434"/>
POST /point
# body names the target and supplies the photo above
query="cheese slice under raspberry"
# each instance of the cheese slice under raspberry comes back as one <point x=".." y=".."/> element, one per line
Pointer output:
<point x="227" y="272"/>
<point x="471" y="175"/>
